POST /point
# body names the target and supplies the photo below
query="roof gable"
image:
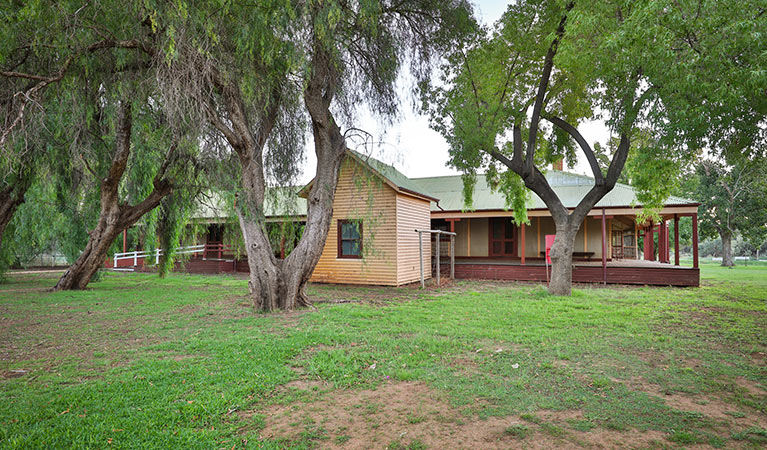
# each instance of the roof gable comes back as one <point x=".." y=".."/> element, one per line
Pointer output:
<point x="388" y="174"/>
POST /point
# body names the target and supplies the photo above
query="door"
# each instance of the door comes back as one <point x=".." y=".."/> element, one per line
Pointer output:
<point x="617" y="245"/>
<point x="502" y="237"/>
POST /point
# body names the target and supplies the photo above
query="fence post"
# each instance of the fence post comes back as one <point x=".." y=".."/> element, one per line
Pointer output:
<point x="452" y="256"/>
<point x="135" y="258"/>
<point x="420" y="254"/>
<point x="436" y="238"/>
<point x="114" y="266"/>
<point x="157" y="257"/>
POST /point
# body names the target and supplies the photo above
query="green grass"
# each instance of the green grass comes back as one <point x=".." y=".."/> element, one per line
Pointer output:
<point x="142" y="362"/>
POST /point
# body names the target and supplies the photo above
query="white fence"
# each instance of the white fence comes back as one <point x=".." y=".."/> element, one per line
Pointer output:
<point x="142" y="254"/>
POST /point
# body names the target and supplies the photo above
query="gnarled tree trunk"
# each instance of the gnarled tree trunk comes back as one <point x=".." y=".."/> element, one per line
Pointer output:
<point x="274" y="283"/>
<point x="114" y="216"/>
<point x="726" y="236"/>
<point x="10" y="199"/>
<point x="330" y="148"/>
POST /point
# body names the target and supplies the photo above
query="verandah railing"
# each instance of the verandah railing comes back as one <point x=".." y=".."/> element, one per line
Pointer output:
<point x="204" y="251"/>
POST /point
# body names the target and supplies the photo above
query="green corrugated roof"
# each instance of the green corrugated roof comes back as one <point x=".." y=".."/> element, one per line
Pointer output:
<point x="279" y="202"/>
<point x="570" y="188"/>
<point x="283" y="202"/>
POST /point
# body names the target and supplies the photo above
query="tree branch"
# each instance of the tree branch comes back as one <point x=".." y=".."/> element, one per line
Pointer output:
<point x="572" y="131"/>
<point x="548" y="65"/>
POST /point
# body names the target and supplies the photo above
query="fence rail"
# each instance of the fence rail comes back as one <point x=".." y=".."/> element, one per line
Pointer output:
<point x="205" y="251"/>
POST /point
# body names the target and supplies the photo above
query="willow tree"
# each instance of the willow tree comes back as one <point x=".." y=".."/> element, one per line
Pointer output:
<point x="116" y="157"/>
<point x="28" y="67"/>
<point x="259" y="72"/>
<point x="13" y="187"/>
<point x="512" y="99"/>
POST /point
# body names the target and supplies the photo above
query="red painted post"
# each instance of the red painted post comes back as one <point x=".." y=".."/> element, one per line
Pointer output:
<point x="668" y="243"/>
<point x="649" y="245"/>
<point x="695" y="240"/>
<point x="125" y="240"/>
<point x="604" y="247"/>
<point x="662" y="241"/>
<point x="676" y="239"/>
<point x="522" y="243"/>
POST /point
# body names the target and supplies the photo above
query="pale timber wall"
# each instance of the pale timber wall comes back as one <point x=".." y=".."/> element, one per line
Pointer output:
<point x="362" y="196"/>
<point x="412" y="214"/>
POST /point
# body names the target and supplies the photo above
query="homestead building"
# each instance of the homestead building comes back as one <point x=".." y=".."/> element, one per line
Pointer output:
<point x="372" y="239"/>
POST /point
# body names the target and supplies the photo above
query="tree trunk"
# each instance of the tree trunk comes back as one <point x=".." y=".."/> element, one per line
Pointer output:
<point x="280" y="284"/>
<point x="114" y="216"/>
<point x="726" y="248"/>
<point x="79" y="274"/>
<point x="10" y="199"/>
<point x="562" y="259"/>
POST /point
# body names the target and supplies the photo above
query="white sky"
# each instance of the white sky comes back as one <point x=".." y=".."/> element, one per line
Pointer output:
<point x="418" y="151"/>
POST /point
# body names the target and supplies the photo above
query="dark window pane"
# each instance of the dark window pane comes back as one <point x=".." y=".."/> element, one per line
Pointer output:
<point x="350" y="231"/>
<point x="509" y="229"/>
<point x="497" y="229"/>
<point x="496" y="248"/>
<point x="508" y="248"/>
<point x="350" y="248"/>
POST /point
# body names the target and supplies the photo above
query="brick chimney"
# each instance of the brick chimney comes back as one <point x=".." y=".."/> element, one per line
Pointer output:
<point x="557" y="165"/>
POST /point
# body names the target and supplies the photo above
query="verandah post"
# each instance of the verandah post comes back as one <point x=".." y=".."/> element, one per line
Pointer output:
<point x="662" y="241"/>
<point x="676" y="239"/>
<point x="522" y="243"/>
<point x="604" y="247"/>
<point x="695" y="240"/>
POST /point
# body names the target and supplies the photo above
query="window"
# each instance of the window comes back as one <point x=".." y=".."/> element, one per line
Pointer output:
<point x="501" y="237"/>
<point x="349" y="239"/>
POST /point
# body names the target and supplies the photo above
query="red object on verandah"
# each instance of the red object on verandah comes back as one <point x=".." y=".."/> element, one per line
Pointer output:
<point x="549" y="243"/>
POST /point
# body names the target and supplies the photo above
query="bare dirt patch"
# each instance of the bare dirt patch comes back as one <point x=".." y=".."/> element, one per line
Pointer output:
<point x="305" y="385"/>
<point x="404" y="413"/>
<point x="759" y="358"/>
<point x="709" y="406"/>
<point x="750" y="386"/>
<point x="465" y="365"/>
<point x="15" y="373"/>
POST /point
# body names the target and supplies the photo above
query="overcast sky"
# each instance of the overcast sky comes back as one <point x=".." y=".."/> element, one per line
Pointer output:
<point x="418" y="151"/>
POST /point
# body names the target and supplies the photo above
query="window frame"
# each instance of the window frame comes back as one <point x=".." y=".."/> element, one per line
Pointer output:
<point x="340" y="239"/>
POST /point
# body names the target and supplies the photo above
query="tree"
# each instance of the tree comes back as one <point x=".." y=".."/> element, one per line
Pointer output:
<point x="512" y="99"/>
<point x="13" y="188"/>
<point x="733" y="201"/>
<point x="492" y="85"/>
<point x="113" y="150"/>
<point x="266" y="70"/>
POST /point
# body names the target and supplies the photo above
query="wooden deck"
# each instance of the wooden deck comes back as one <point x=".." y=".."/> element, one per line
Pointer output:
<point x="636" y="272"/>
<point x="618" y="272"/>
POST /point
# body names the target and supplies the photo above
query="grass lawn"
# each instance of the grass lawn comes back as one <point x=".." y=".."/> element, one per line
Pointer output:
<point x="184" y="362"/>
